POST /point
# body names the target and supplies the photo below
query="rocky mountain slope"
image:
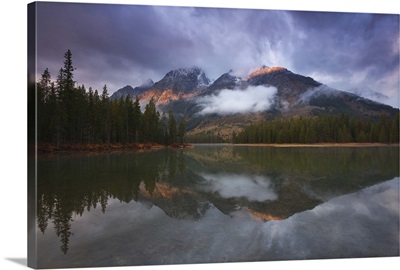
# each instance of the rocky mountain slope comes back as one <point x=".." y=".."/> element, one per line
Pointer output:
<point x="132" y="92"/>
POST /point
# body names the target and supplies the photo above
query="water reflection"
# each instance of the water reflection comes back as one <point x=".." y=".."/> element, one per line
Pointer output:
<point x="252" y="187"/>
<point x="362" y="224"/>
<point x="189" y="198"/>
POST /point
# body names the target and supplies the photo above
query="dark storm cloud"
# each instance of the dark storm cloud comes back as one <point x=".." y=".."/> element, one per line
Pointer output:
<point x="350" y="50"/>
<point x="107" y="41"/>
<point x="122" y="44"/>
<point x="355" y="40"/>
<point x="118" y="41"/>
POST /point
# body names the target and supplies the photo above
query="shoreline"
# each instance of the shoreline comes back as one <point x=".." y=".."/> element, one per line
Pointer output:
<point x="51" y="148"/>
<point x="318" y="144"/>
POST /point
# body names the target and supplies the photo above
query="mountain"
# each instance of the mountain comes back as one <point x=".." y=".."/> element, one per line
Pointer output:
<point x="300" y="95"/>
<point x="290" y="86"/>
<point x="183" y="80"/>
<point x="369" y="93"/>
<point x="132" y="92"/>
<point x="325" y="100"/>
<point x="230" y="103"/>
<point x="226" y="81"/>
<point x="180" y="84"/>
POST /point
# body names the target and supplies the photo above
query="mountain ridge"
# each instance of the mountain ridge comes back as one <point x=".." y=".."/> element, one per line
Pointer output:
<point x="132" y="92"/>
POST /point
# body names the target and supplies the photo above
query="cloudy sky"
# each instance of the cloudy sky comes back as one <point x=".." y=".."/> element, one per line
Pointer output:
<point x="118" y="45"/>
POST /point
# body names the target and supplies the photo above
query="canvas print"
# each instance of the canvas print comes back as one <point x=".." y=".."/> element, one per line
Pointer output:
<point x="182" y="135"/>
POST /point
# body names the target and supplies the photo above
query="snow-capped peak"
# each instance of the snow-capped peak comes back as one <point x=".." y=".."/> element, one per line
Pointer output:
<point x="189" y="72"/>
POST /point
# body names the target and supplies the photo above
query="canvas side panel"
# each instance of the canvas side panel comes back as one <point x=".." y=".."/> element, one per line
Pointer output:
<point x="32" y="138"/>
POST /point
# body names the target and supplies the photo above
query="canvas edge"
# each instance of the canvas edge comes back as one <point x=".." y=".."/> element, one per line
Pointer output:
<point x="31" y="131"/>
<point x="32" y="139"/>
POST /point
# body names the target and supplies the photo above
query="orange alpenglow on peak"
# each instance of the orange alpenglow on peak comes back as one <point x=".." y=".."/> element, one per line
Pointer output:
<point x="265" y="70"/>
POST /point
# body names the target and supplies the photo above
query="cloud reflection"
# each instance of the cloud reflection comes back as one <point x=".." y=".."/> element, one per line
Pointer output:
<point x="361" y="224"/>
<point x="252" y="187"/>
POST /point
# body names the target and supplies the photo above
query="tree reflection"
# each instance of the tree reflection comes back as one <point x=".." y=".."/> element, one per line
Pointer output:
<point x="70" y="184"/>
<point x="62" y="224"/>
<point x="345" y="169"/>
<point x="43" y="214"/>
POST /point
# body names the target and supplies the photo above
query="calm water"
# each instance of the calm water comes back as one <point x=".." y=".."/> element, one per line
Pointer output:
<point x="217" y="204"/>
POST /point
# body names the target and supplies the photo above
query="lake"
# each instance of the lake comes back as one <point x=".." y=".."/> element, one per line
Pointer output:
<point x="217" y="203"/>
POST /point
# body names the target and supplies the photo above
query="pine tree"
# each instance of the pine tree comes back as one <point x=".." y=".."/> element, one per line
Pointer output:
<point x="43" y="110"/>
<point x="361" y="137"/>
<point x="106" y="117"/>
<point x="394" y="130"/>
<point x="163" y="126"/>
<point x="128" y="118"/>
<point x="44" y="86"/>
<point x="90" y="117"/>
<point x="181" y="130"/>
<point x="51" y="123"/>
<point x="60" y="113"/>
<point x="80" y="111"/>
<point x="98" y="118"/>
<point x="136" y="119"/>
<point x="67" y="97"/>
<point x="150" y="119"/>
<point x="68" y="76"/>
<point x="172" y="131"/>
<point x="302" y="135"/>
<point x="383" y="138"/>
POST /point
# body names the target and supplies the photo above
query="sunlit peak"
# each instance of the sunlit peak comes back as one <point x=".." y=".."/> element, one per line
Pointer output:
<point x="265" y="70"/>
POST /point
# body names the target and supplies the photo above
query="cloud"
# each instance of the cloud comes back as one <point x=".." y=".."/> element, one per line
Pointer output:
<point x="356" y="51"/>
<point x="319" y="91"/>
<point x="250" y="100"/>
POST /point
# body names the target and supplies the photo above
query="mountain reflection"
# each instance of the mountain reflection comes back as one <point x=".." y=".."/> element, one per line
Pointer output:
<point x="267" y="183"/>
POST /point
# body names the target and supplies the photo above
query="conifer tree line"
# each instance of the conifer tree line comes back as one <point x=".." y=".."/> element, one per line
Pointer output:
<point x="204" y="138"/>
<point x="322" y="129"/>
<point x="67" y="113"/>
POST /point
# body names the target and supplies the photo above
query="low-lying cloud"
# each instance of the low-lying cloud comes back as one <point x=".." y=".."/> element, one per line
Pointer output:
<point x="319" y="91"/>
<point x="250" y="100"/>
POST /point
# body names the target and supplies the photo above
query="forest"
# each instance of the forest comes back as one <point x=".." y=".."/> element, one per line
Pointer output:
<point x="322" y="129"/>
<point x="73" y="115"/>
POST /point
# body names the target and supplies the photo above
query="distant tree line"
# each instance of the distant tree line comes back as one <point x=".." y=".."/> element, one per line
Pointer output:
<point x="204" y="138"/>
<point x="71" y="114"/>
<point x="322" y="129"/>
